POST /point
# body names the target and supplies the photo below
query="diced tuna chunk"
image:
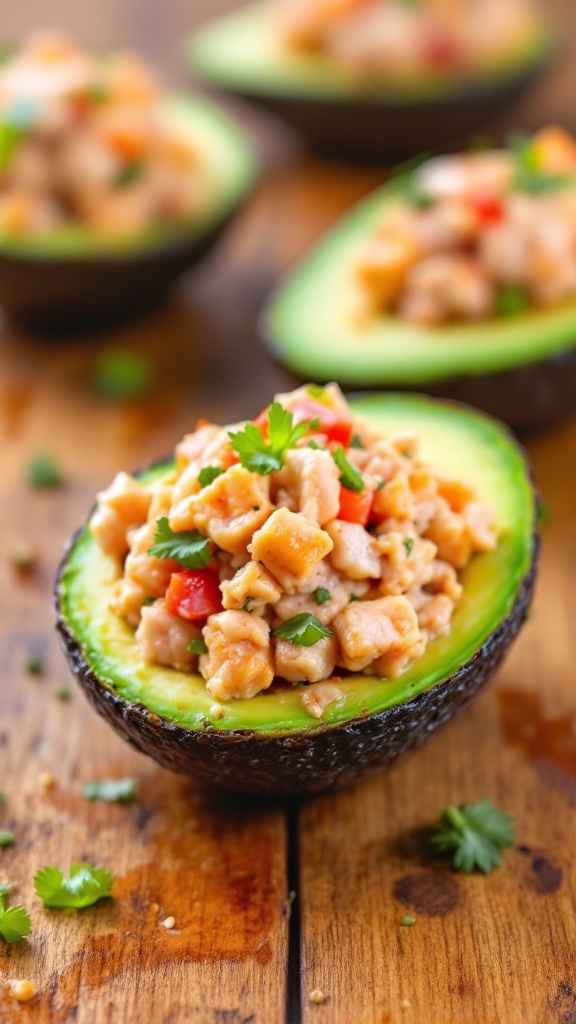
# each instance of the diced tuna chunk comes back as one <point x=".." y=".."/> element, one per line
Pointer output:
<point x="127" y="600"/>
<point x="449" y="533"/>
<point x="323" y="579"/>
<point x="252" y="584"/>
<point x="228" y="510"/>
<point x="434" y="618"/>
<point x="394" y="499"/>
<point x="312" y="663"/>
<point x="120" y="508"/>
<point x="164" y="638"/>
<point x="319" y="696"/>
<point x="407" y="562"/>
<point x="290" y="546"/>
<point x="355" y="551"/>
<point x="312" y="479"/>
<point x="369" y="630"/>
<point x="239" y="662"/>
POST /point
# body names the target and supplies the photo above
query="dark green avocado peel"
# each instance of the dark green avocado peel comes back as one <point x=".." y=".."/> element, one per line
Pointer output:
<point x="269" y="744"/>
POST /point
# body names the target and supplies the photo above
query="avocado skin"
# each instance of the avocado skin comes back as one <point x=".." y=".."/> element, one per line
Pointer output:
<point x="322" y="757"/>
<point x="394" y="130"/>
<point x="64" y="293"/>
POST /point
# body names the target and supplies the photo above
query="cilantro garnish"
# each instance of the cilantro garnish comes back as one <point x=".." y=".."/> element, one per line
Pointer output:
<point x="198" y="646"/>
<point x="321" y="595"/>
<point x="263" y="456"/>
<point x="63" y="694"/>
<point x="15" y="922"/>
<point x="528" y="176"/>
<point x="316" y="446"/>
<point x="7" y="838"/>
<point x="475" y="834"/>
<point x="408" y="544"/>
<point x="408" y="921"/>
<point x="510" y="300"/>
<point x="304" y="630"/>
<point x="315" y="390"/>
<point x="43" y="473"/>
<point x="121" y="791"/>
<point x="355" y="442"/>
<point x="34" y="665"/>
<point x="129" y="174"/>
<point x="208" y="474"/>
<point x="86" y="885"/>
<point x="349" y="476"/>
<point x="405" y="184"/>
<point x="248" y="604"/>
<point x="189" y="547"/>
<point x="148" y="601"/>
<point x="122" y="376"/>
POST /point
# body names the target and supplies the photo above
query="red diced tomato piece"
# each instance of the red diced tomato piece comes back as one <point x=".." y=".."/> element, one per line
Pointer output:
<point x="440" y="51"/>
<point x="355" y="505"/>
<point x="194" y="594"/>
<point x="489" y="209"/>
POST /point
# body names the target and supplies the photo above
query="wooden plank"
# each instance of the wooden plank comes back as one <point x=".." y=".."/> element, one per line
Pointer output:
<point x="484" y="950"/>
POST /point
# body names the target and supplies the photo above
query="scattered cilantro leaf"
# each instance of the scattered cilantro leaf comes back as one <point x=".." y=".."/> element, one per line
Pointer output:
<point x="304" y="630"/>
<point x="43" y="472"/>
<point x="5" y="891"/>
<point x="511" y="300"/>
<point x="63" y="694"/>
<point x="189" y="548"/>
<point x="316" y="446"/>
<point x="321" y="595"/>
<point x="408" y="544"/>
<point x="355" y="442"/>
<point x="15" y="923"/>
<point x="248" y="603"/>
<point x="404" y="182"/>
<point x="129" y="174"/>
<point x="34" y="665"/>
<point x="542" y="514"/>
<point x="198" y="646"/>
<point x="407" y="920"/>
<point x="148" y="601"/>
<point x="121" y="791"/>
<point x="86" y="885"/>
<point x="208" y="474"/>
<point x="7" y="838"/>
<point x="528" y="176"/>
<point x="475" y="834"/>
<point x="315" y="390"/>
<point x="349" y="476"/>
<point x="261" y="456"/>
<point x="122" y="376"/>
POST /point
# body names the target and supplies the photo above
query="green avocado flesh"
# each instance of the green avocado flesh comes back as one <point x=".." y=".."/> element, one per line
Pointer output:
<point x="319" y="323"/>
<point x="242" y="52"/>
<point x="456" y="441"/>
<point x="224" y="155"/>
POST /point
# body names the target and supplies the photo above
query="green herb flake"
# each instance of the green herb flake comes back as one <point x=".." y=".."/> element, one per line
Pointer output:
<point x="43" y="473"/>
<point x="317" y="447"/>
<point x="15" y="923"/>
<point x="208" y="474"/>
<point x="111" y="791"/>
<point x="148" y="601"/>
<point x="408" y="544"/>
<point x="542" y="514"/>
<point x="528" y="176"/>
<point x="408" y="921"/>
<point x="261" y="456"/>
<point x="315" y="390"/>
<point x="63" y="694"/>
<point x="248" y="604"/>
<point x="5" y="891"/>
<point x="189" y="548"/>
<point x="321" y="595"/>
<point x="122" y="376"/>
<point x="86" y="885"/>
<point x="198" y="647"/>
<point x="353" y="597"/>
<point x="34" y="665"/>
<point x="7" y="838"/>
<point x="511" y="300"/>
<point x="349" y="476"/>
<point x="304" y="630"/>
<point x="129" y="174"/>
<point x="475" y="834"/>
<point x="356" y="442"/>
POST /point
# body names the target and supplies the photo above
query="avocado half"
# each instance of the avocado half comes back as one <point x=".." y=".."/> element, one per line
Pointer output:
<point x="521" y="369"/>
<point x="239" y="53"/>
<point x="72" y="277"/>
<point x="269" y="744"/>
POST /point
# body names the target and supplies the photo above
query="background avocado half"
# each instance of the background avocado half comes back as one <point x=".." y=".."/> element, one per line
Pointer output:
<point x="239" y="53"/>
<point x="269" y="744"/>
<point x="520" y="368"/>
<point x="72" y="277"/>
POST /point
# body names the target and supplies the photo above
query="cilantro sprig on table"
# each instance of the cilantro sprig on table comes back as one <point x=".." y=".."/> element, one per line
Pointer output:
<point x="475" y="834"/>
<point x="267" y="456"/>
<point x="121" y="791"/>
<point x="189" y="548"/>
<point x="304" y="630"/>
<point x="15" y="921"/>
<point x="86" y="885"/>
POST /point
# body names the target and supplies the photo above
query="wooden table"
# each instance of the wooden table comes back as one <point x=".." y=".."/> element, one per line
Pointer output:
<point x="271" y="902"/>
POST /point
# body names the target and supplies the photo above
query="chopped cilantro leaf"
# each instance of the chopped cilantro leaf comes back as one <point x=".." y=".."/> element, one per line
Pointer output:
<point x="198" y="646"/>
<point x="542" y="514"/>
<point x="148" y="601"/>
<point x="315" y="390"/>
<point x="248" y="603"/>
<point x="349" y="476"/>
<point x="121" y="791"/>
<point x="7" y="838"/>
<point x="407" y="920"/>
<point x="528" y="176"/>
<point x="475" y="834"/>
<point x="314" y="444"/>
<point x="189" y="548"/>
<point x="129" y="174"/>
<point x="261" y="456"/>
<point x="511" y="300"/>
<point x="34" y="665"/>
<point x="408" y="544"/>
<point x="43" y="473"/>
<point x="122" y="376"/>
<point x="86" y="885"/>
<point x="304" y="630"/>
<point x="15" y="923"/>
<point x="321" y="595"/>
<point x="63" y="694"/>
<point x="208" y="474"/>
<point x="355" y="441"/>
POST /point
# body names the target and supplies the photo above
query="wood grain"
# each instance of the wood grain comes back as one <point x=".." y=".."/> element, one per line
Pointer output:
<point x="483" y="951"/>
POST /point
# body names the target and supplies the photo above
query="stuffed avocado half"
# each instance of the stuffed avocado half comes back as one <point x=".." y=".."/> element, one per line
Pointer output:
<point x="270" y="743"/>
<point x="342" y="111"/>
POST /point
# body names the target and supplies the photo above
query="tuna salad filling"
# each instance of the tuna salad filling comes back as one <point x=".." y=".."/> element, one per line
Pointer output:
<point x="395" y="40"/>
<point x="290" y="550"/>
<point x="477" y="235"/>
<point x="84" y="139"/>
